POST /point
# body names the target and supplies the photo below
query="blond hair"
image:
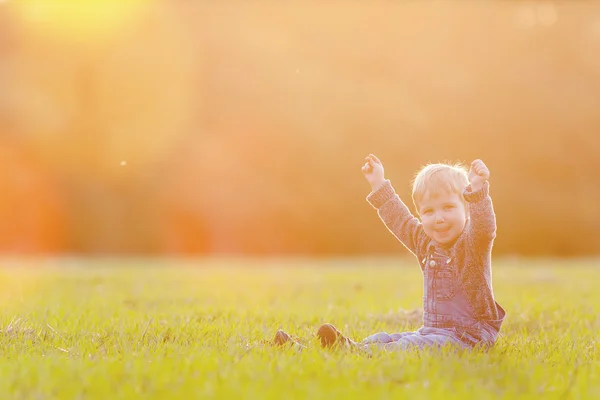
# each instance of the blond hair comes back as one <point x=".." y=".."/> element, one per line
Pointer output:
<point x="434" y="179"/>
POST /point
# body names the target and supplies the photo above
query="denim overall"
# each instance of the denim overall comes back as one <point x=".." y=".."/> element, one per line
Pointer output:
<point x="447" y="317"/>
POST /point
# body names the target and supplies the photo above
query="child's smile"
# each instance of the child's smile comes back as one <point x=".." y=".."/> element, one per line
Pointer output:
<point x="443" y="216"/>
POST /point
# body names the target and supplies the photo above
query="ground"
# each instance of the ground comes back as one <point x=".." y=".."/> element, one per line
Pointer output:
<point x="197" y="328"/>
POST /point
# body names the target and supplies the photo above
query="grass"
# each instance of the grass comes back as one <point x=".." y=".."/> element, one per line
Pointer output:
<point x="75" y="329"/>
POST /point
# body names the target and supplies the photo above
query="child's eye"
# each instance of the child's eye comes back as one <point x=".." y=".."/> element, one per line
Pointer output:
<point x="428" y="211"/>
<point x="448" y="207"/>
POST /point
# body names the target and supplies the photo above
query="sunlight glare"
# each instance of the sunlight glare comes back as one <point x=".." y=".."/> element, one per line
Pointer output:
<point x="546" y="14"/>
<point x="532" y="15"/>
<point x="88" y="19"/>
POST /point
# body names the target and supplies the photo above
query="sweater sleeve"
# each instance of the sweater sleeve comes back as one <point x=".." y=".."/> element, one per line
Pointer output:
<point x="397" y="217"/>
<point x="481" y="209"/>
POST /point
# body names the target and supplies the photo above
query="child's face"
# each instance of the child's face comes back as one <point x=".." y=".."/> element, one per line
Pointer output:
<point x="443" y="216"/>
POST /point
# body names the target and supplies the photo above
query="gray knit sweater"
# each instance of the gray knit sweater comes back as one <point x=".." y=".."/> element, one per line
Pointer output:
<point x="472" y="250"/>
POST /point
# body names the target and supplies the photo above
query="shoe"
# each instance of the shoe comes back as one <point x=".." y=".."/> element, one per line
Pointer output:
<point x="330" y="336"/>
<point x="281" y="338"/>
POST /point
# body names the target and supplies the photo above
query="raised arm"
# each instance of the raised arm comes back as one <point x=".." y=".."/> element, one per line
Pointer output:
<point x="392" y="211"/>
<point x="481" y="209"/>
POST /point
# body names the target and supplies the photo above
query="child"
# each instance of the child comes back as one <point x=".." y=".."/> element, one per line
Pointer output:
<point x="453" y="244"/>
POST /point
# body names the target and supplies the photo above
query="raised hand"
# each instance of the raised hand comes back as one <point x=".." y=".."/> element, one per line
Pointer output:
<point x="373" y="170"/>
<point x="478" y="174"/>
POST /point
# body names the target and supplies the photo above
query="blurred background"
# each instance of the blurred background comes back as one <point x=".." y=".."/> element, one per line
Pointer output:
<point x="239" y="127"/>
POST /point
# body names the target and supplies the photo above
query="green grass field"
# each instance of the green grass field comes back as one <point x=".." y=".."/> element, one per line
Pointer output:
<point x="83" y="329"/>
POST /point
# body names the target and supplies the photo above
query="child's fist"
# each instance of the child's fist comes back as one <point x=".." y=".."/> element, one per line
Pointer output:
<point x="373" y="170"/>
<point x="478" y="174"/>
